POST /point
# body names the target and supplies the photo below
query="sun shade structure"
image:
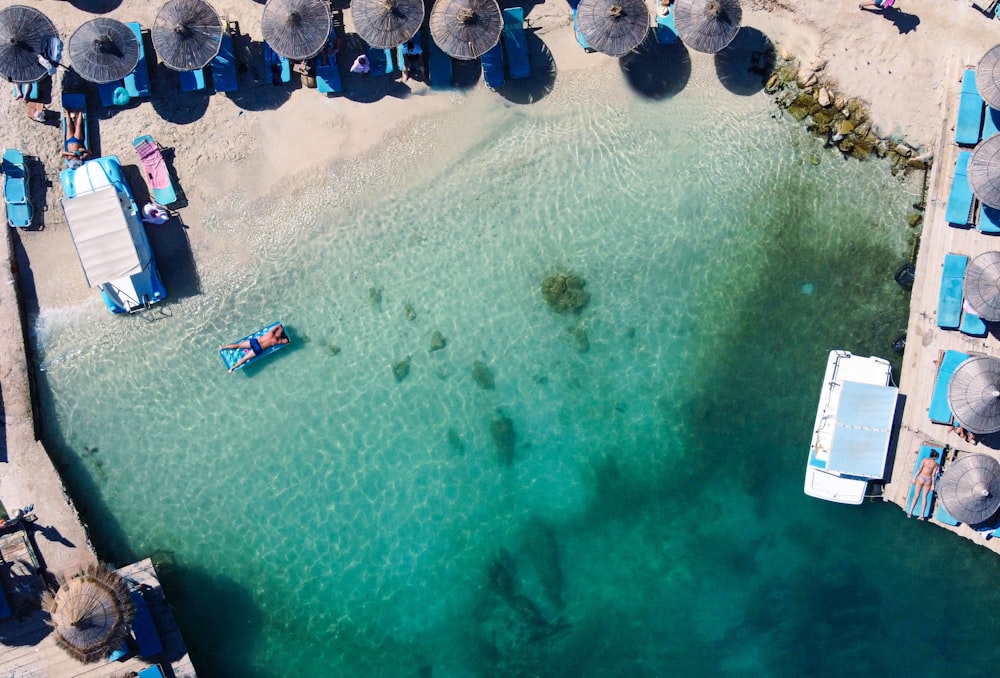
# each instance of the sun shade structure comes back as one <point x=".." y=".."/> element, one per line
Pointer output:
<point x="970" y="488"/>
<point x="90" y="613"/>
<point x="613" y="27"/>
<point x="974" y="394"/>
<point x="387" y="23"/>
<point x="24" y="34"/>
<point x="984" y="171"/>
<point x="296" y="29"/>
<point x="103" y="235"/>
<point x="988" y="77"/>
<point x="466" y="29"/>
<point x="103" y="50"/>
<point x="186" y="34"/>
<point x="707" y="25"/>
<point x="982" y="285"/>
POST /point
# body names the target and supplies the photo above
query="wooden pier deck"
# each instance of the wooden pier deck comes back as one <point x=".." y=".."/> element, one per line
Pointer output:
<point x="924" y="338"/>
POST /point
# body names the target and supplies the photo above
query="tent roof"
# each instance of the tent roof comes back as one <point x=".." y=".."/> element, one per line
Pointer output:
<point x="861" y="435"/>
<point x="102" y="234"/>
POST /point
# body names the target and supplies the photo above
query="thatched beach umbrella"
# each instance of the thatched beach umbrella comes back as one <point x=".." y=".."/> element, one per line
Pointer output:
<point x="613" y="27"/>
<point x="186" y="34"/>
<point x="466" y="29"/>
<point x="296" y="29"/>
<point x="24" y="35"/>
<point x="103" y="50"/>
<point x="982" y="285"/>
<point x="387" y="23"/>
<point x="90" y="614"/>
<point x="988" y="77"/>
<point x="970" y="488"/>
<point x="707" y="25"/>
<point x="984" y="171"/>
<point x="974" y="394"/>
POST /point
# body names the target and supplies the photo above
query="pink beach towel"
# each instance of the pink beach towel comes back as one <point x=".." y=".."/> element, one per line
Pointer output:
<point x="152" y="163"/>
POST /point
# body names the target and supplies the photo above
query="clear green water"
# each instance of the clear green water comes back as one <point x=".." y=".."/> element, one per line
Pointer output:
<point x="313" y="516"/>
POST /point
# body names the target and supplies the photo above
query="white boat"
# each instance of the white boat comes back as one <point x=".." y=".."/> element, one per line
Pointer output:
<point x="850" y="442"/>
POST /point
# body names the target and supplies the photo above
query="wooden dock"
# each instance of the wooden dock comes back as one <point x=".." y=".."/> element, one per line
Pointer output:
<point x="924" y="338"/>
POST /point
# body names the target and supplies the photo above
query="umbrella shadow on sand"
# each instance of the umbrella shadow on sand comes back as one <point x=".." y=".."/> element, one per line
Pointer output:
<point x="657" y="71"/>
<point x="744" y="64"/>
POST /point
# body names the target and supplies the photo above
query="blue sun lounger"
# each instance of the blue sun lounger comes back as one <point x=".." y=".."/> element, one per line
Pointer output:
<point x="278" y="67"/>
<point x="223" y="64"/>
<point x="925" y="453"/>
<point x="942" y="516"/>
<point x="328" y="74"/>
<point x="579" y="36"/>
<point x="665" y="31"/>
<point x="970" y="112"/>
<point x="439" y="65"/>
<point x="972" y="324"/>
<point x="380" y="61"/>
<point x="493" y="67"/>
<point x="74" y="101"/>
<point x="155" y="170"/>
<point x="32" y="91"/>
<point x="991" y="123"/>
<point x="137" y="82"/>
<point x="192" y="81"/>
<point x="939" y="410"/>
<point x="147" y="640"/>
<point x="950" y="297"/>
<point x="960" y="199"/>
<point x="15" y="189"/>
<point x="231" y="356"/>
<point x="989" y="220"/>
<point x="516" y="43"/>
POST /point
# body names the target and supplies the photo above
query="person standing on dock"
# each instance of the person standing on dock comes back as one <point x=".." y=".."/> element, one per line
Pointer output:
<point x="923" y="482"/>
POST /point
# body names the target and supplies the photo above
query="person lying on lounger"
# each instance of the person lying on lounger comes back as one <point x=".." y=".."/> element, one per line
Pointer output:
<point x="73" y="149"/>
<point x="923" y="482"/>
<point x="257" y="346"/>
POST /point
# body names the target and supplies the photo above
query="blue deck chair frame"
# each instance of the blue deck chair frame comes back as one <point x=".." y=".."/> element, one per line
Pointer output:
<point x="223" y="64"/>
<point x="16" y="194"/>
<point x="137" y="82"/>
<point x="515" y="41"/>
<point x="950" y="296"/>
<point x="969" y="126"/>
<point x="925" y="453"/>
<point x="960" y="198"/>
<point x="939" y="410"/>
<point x="493" y="67"/>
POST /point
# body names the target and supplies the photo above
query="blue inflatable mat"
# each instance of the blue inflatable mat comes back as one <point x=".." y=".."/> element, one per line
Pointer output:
<point x="231" y="356"/>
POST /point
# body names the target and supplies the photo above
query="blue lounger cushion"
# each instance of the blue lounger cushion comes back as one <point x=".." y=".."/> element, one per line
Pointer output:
<point x="516" y="43"/>
<point x="972" y="324"/>
<point x="439" y="64"/>
<point x="328" y="75"/>
<point x="74" y="101"/>
<point x="224" y="76"/>
<point x="939" y="410"/>
<point x="32" y="91"/>
<point x="989" y="220"/>
<point x="493" y="67"/>
<point x="137" y="82"/>
<point x="579" y="36"/>
<point x="970" y="112"/>
<point x="950" y="298"/>
<point x="960" y="198"/>
<point x="113" y="94"/>
<point x="15" y="189"/>
<point x="147" y="639"/>
<point x="925" y="452"/>
<point x="991" y="123"/>
<point x="942" y="516"/>
<point x="381" y="61"/>
<point x="665" y="31"/>
<point x="278" y="67"/>
<point x="153" y="671"/>
<point x="4" y="605"/>
<point x="192" y="81"/>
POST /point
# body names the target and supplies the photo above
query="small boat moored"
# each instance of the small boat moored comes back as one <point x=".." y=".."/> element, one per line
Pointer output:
<point x="850" y="441"/>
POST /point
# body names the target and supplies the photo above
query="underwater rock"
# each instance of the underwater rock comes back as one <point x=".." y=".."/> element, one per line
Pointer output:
<point x="375" y="295"/>
<point x="504" y="437"/>
<point x="401" y="368"/>
<point x="455" y="441"/>
<point x="331" y="349"/>
<point x="564" y="293"/>
<point x="916" y="163"/>
<point x="915" y="219"/>
<point x="845" y="127"/>
<point x="542" y="548"/>
<point x="482" y="375"/>
<point x="501" y="575"/>
<point x="410" y="313"/>
<point x="437" y="341"/>
<point x="580" y="337"/>
<point x="823" y="118"/>
<point x="813" y="159"/>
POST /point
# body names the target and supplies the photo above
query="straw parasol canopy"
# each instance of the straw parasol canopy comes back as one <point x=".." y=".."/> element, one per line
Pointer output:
<point x="974" y="394"/>
<point x="970" y="488"/>
<point x="186" y="34"/>
<point x="614" y="27"/>
<point x="296" y="29"/>
<point x="387" y="23"/>
<point x="466" y="29"/>
<point x="90" y="613"/>
<point x="103" y="50"/>
<point x="982" y="285"/>
<point x="23" y="33"/>
<point x="988" y="77"/>
<point x="984" y="171"/>
<point x="707" y="25"/>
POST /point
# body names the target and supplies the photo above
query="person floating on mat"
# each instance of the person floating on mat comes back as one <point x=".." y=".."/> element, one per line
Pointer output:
<point x="923" y="482"/>
<point x="73" y="149"/>
<point x="272" y="337"/>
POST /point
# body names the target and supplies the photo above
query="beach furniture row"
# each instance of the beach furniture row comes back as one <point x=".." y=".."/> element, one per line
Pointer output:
<point x="954" y="313"/>
<point x="975" y="122"/>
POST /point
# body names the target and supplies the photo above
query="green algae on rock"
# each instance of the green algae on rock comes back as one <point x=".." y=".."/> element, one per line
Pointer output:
<point x="564" y="292"/>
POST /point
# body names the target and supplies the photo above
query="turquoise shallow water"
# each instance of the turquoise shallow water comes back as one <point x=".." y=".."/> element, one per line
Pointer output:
<point x="315" y="516"/>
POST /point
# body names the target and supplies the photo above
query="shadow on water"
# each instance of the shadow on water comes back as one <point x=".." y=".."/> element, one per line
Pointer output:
<point x="542" y="78"/>
<point x="745" y="62"/>
<point x="657" y="71"/>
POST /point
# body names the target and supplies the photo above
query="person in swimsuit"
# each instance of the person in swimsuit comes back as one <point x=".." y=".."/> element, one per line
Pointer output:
<point x="257" y="346"/>
<point x="73" y="147"/>
<point x="923" y="482"/>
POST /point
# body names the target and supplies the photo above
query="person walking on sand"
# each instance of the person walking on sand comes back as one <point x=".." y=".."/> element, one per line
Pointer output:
<point x="257" y="346"/>
<point x="877" y="5"/>
<point x="923" y="482"/>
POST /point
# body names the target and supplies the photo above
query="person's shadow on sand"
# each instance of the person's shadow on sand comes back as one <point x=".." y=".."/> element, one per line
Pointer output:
<point x="905" y="23"/>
